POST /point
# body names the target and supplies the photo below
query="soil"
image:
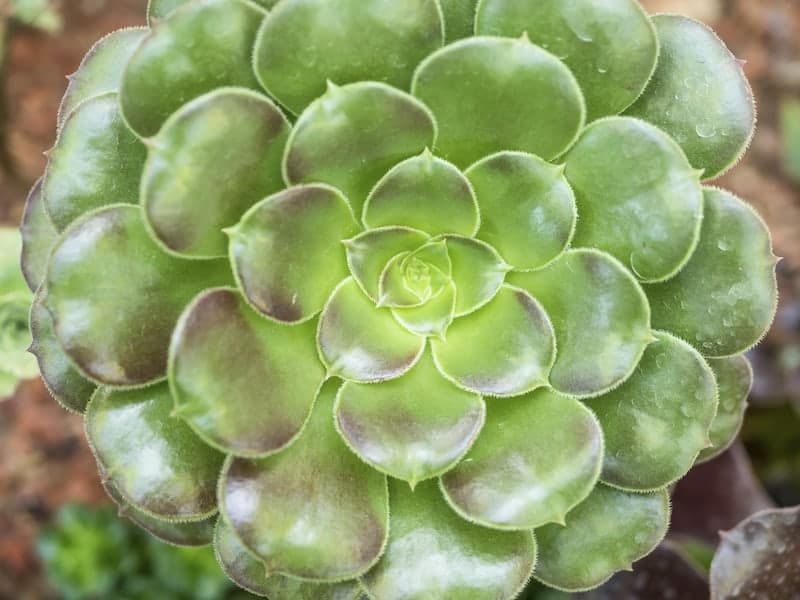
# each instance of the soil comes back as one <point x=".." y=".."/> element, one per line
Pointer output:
<point x="45" y="461"/>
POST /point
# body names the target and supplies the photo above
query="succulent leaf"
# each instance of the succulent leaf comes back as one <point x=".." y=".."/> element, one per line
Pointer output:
<point x="504" y="349"/>
<point x="699" y="95"/>
<point x="477" y="272"/>
<point x="244" y="384"/>
<point x="123" y="332"/>
<point x="286" y="251"/>
<point x="654" y="430"/>
<point x="248" y="573"/>
<point x="352" y="135"/>
<point x="377" y="40"/>
<point x="610" y="46"/>
<point x="607" y="532"/>
<point x="210" y="40"/>
<point x="189" y="533"/>
<point x="426" y="193"/>
<point x="528" y="210"/>
<point x="725" y="298"/>
<point x="187" y="198"/>
<point x="349" y="346"/>
<point x="282" y="507"/>
<point x="369" y="253"/>
<point x="64" y="382"/>
<point x="153" y="459"/>
<point x="38" y="236"/>
<point x="539" y="456"/>
<point x="643" y="207"/>
<point x="600" y="316"/>
<point x="99" y="72"/>
<point x="412" y="428"/>
<point x="96" y="161"/>
<point x="532" y="104"/>
<point x="734" y="380"/>
<point x="434" y="317"/>
<point x="449" y="557"/>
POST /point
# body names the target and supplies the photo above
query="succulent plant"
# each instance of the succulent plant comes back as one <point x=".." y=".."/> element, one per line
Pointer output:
<point x="15" y="300"/>
<point x="406" y="311"/>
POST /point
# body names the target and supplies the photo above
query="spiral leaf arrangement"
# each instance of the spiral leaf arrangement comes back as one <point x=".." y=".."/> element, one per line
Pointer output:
<point x="404" y="299"/>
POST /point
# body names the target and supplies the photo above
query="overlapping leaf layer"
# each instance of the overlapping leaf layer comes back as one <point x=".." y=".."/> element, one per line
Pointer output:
<point x="412" y="300"/>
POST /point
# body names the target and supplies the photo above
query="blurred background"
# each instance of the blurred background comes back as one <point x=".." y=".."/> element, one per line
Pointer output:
<point x="85" y="551"/>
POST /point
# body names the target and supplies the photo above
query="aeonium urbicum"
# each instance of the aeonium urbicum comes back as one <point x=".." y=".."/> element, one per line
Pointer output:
<point x="411" y="300"/>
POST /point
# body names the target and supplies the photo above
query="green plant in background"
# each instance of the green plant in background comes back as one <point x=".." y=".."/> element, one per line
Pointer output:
<point x="15" y="299"/>
<point x="41" y="14"/>
<point x="790" y="130"/>
<point x="89" y="553"/>
<point x="396" y="309"/>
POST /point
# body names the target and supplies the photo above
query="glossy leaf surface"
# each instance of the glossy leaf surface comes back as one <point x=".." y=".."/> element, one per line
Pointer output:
<point x="122" y="335"/>
<point x="187" y="195"/>
<point x="152" y="458"/>
<point x="600" y="316"/>
<point x="287" y="253"/>
<point x="375" y="40"/>
<point x="449" y="557"/>
<point x="425" y="193"/>
<point x="38" y="236"/>
<point x="180" y="59"/>
<point x="99" y="71"/>
<point x="532" y="104"/>
<point x="352" y="135"/>
<point x="606" y="533"/>
<point x="62" y="379"/>
<point x="734" y="380"/>
<point x="654" y="429"/>
<point x="643" y="207"/>
<point x="724" y="300"/>
<point x="527" y="207"/>
<point x="244" y="384"/>
<point x="610" y="46"/>
<point x="504" y="349"/>
<point x="699" y="95"/>
<point x="314" y="511"/>
<point x="349" y="343"/>
<point x="538" y="456"/>
<point x="412" y="428"/>
<point x="96" y="161"/>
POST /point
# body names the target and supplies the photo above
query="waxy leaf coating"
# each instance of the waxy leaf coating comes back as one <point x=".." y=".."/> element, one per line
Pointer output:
<point x="152" y="458"/>
<point x="244" y="384"/>
<point x="348" y="342"/>
<point x="532" y="104"/>
<point x="528" y="209"/>
<point x="699" y="95"/>
<point x="38" y="236"/>
<point x="610" y="46"/>
<point x="505" y="349"/>
<point x="655" y="429"/>
<point x="287" y="254"/>
<point x="725" y="298"/>
<point x="314" y="511"/>
<point x="600" y="316"/>
<point x="734" y="381"/>
<point x="607" y="532"/>
<point x="123" y="332"/>
<point x="538" y="456"/>
<point x="62" y="379"/>
<point x="352" y="135"/>
<point x="187" y="199"/>
<point x="374" y="40"/>
<point x="200" y="46"/>
<point x="99" y="71"/>
<point x="412" y="428"/>
<point x="643" y="207"/>
<point x="448" y="557"/>
<point x="96" y="161"/>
